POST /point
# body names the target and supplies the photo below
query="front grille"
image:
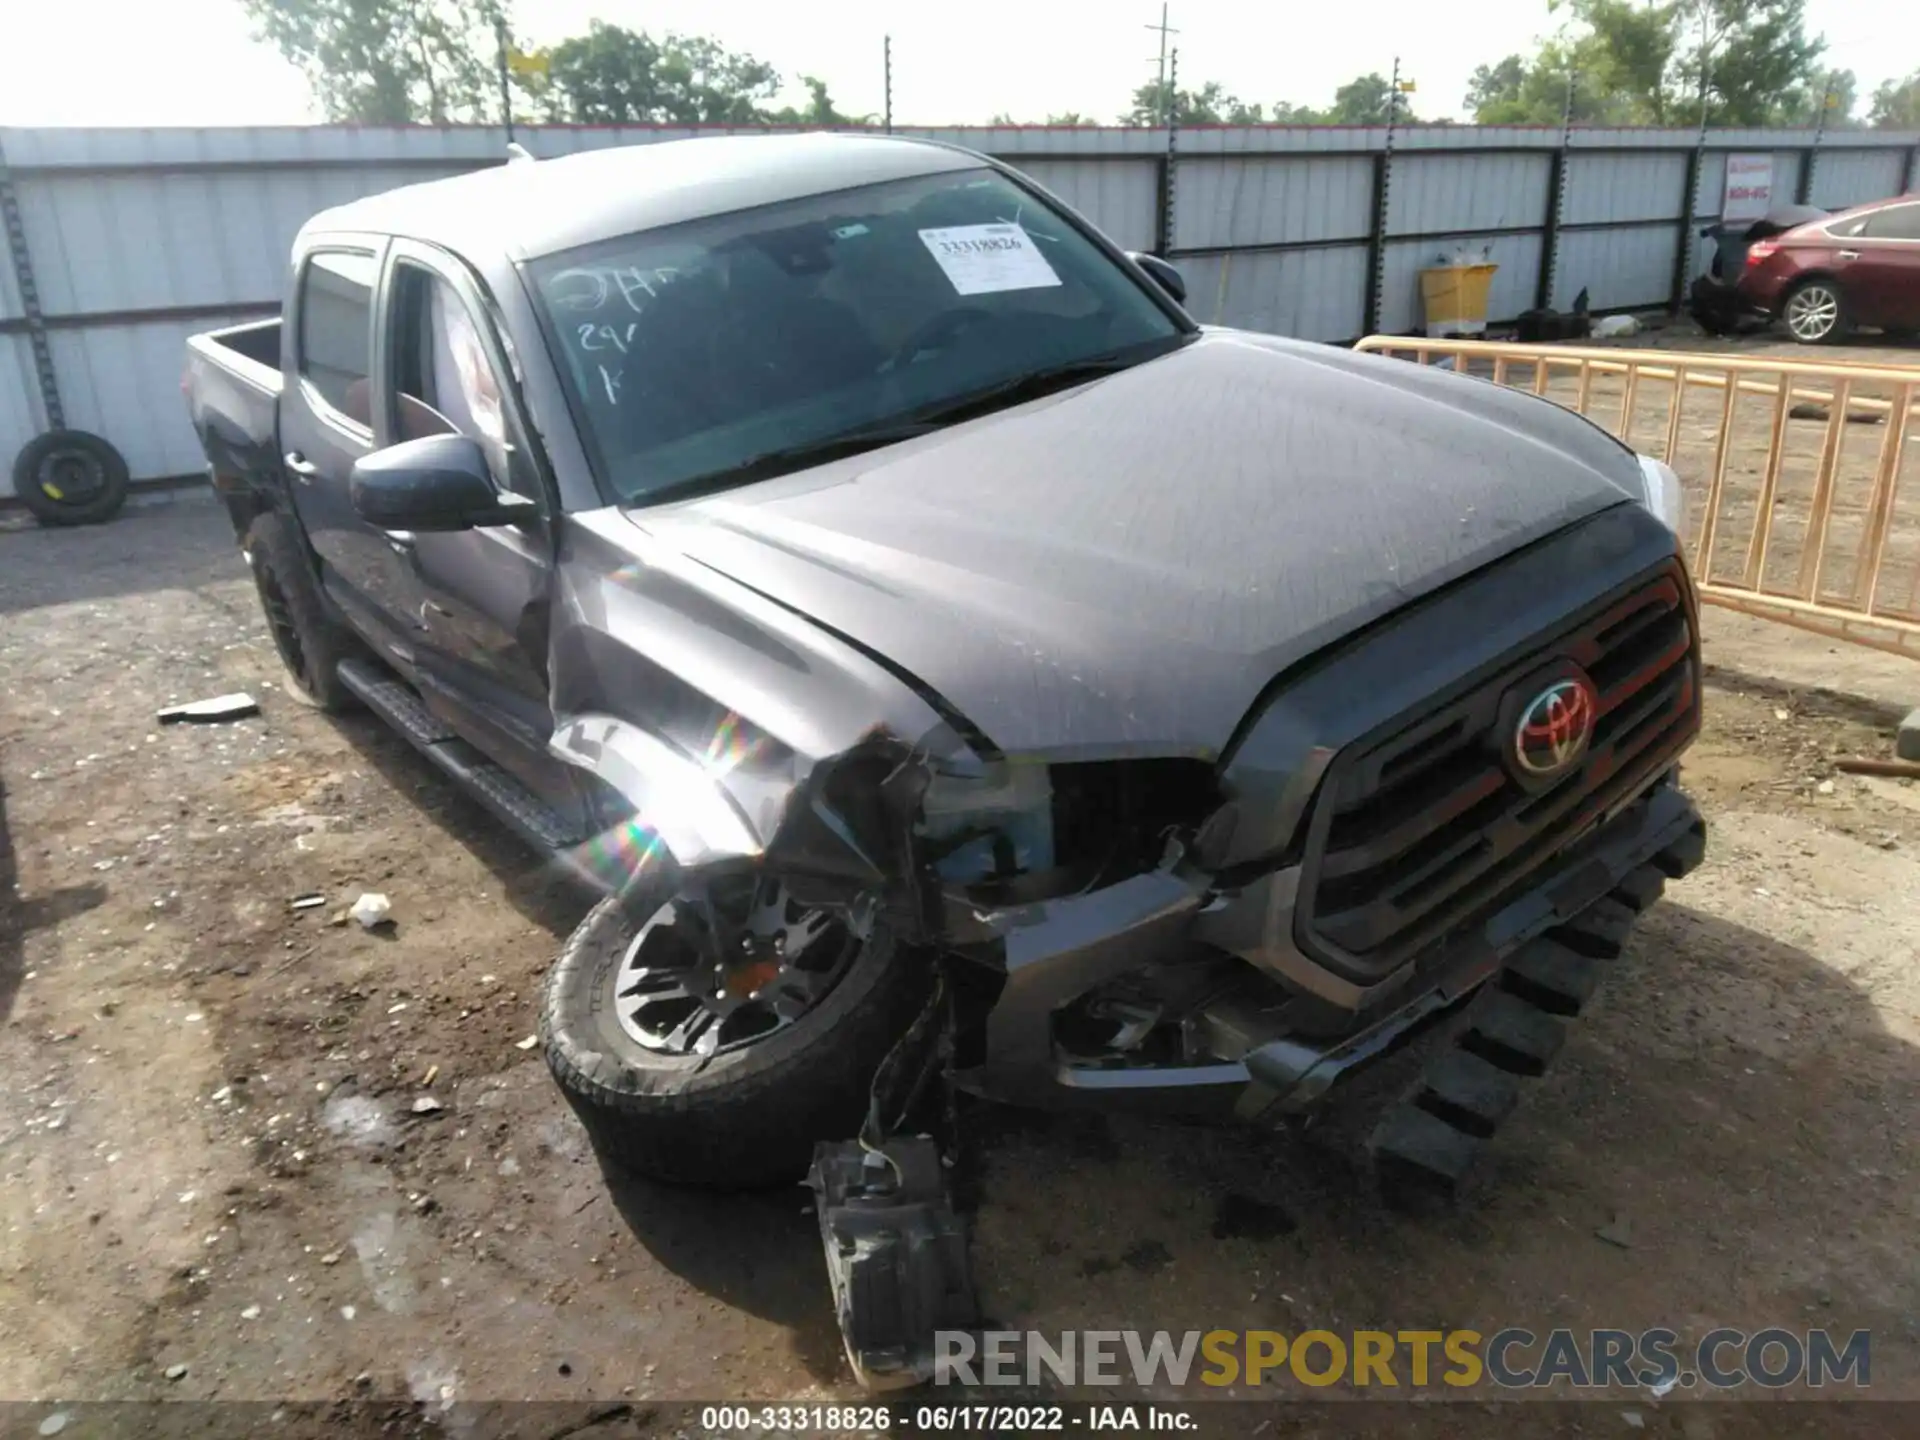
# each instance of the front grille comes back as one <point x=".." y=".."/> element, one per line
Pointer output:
<point x="1425" y="830"/>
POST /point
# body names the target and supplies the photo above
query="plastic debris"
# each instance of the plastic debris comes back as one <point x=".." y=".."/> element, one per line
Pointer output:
<point x="208" y="712"/>
<point x="1615" y="327"/>
<point x="526" y="1044"/>
<point x="433" y="1073"/>
<point x="427" y="1105"/>
<point x="306" y="902"/>
<point x="372" y="910"/>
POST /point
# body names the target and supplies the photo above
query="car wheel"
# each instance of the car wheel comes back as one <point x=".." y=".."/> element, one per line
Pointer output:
<point x="713" y="1038"/>
<point x="68" y="477"/>
<point x="1815" y="312"/>
<point x="310" y="643"/>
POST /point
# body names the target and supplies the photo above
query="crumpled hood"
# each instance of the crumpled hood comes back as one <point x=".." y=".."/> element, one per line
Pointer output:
<point x="1121" y="568"/>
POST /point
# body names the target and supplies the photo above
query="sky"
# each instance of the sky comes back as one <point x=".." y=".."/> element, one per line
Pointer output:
<point x="194" y="62"/>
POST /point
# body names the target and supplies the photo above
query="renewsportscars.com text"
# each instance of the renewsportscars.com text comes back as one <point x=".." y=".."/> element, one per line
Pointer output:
<point x="1511" y="1358"/>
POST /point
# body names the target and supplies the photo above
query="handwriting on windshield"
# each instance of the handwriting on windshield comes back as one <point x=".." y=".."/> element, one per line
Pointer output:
<point x="597" y="303"/>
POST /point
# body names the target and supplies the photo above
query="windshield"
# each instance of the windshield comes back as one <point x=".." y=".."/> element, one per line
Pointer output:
<point x="695" y="351"/>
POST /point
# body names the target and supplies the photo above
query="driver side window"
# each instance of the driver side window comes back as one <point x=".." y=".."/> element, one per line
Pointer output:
<point x="444" y="382"/>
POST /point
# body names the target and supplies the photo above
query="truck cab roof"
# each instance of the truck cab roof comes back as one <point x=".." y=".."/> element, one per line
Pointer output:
<point x="519" y="211"/>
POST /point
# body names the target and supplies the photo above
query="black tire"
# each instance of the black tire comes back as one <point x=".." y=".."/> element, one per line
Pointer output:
<point x="1832" y="303"/>
<point x="742" y="1118"/>
<point x="310" y="643"/>
<point x="68" y="477"/>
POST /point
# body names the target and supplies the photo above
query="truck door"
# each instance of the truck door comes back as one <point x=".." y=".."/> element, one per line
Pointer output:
<point x="473" y="603"/>
<point x="326" y="418"/>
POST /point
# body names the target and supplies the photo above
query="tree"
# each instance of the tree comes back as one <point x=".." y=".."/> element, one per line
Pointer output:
<point x="1642" y="62"/>
<point x="1759" y="64"/>
<point x="820" y="109"/>
<point x="1497" y="87"/>
<point x="1209" y="105"/>
<point x="1896" y="104"/>
<point x="616" y="76"/>
<point x="1365" y="100"/>
<point x="1062" y="117"/>
<point x="389" y="62"/>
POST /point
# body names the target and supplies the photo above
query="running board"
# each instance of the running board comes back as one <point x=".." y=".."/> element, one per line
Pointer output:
<point x="502" y="792"/>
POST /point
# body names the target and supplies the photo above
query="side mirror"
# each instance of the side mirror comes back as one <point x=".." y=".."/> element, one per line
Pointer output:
<point x="1164" y="275"/>
<point x="440" y="482"/>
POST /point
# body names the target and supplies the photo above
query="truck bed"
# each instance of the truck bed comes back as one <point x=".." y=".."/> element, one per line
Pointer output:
<point x="233" y="384"/>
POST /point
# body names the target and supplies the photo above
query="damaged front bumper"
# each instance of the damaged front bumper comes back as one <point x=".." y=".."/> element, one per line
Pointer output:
<point x="1144" y="992"/>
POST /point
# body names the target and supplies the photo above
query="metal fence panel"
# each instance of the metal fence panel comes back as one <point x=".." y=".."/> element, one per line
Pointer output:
<point x="1612" y="187"/>
<point x="1260" y="200"/>
<point x="1849" y="177"/>
<point x="1122" y="197"/>
<point x="1518" y="257"/>
<point x="115" y="244"/>
<point x="1314" y="294"/>
<point x="1617" y="267"/>
<point x="110" y="383"/>
<point x="1432" y="194"/>
<point x="20" y="417"/>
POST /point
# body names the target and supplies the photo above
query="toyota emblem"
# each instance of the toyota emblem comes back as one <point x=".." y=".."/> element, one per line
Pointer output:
<point x="1554" y="728"/>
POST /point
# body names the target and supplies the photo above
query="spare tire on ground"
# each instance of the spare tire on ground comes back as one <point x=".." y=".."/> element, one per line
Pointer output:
<point x="69" y="477"/>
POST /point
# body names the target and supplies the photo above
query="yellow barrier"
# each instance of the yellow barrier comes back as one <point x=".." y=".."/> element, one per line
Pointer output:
<point x="1793" y="474"/>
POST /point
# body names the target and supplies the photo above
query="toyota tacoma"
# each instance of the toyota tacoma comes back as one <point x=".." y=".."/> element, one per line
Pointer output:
<point x="870" y="577"/>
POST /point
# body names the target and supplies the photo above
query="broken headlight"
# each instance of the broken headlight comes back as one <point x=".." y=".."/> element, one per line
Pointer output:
<point x="991" y="828"/>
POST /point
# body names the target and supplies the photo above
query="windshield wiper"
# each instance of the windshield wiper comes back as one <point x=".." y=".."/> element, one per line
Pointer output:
<point x="794" y="457"/>
<point x="1035" y="383"/>
<point x="1028" y="386"/>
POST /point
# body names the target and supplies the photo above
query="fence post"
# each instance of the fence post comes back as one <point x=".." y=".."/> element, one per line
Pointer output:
<point x="1683" y="252"/>
<point x="29" y="299"/>
<point x="1376" y="245"/>
<point x="1809" y="157"/>
<point x="1162" y="205"/>
<point x="1550" y="231"/>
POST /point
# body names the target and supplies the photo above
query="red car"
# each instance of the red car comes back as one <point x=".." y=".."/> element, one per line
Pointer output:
<point x="1860" y="267"/>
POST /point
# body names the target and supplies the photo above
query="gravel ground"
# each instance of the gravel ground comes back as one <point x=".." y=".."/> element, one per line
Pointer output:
<point x="218" y="1179"/>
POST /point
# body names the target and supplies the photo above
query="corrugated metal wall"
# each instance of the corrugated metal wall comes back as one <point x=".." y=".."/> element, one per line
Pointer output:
<point x="140" y="238"/>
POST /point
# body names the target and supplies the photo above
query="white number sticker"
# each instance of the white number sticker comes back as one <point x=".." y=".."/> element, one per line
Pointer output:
<point x="980" y="259"/>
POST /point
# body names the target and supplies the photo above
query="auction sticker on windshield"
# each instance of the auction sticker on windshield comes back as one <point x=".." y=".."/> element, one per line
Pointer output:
<point x="980" y="259"/>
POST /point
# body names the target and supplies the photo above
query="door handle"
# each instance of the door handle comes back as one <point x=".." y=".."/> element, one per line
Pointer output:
<point x="302" y="467"/>
<point x="1849" y="254"/>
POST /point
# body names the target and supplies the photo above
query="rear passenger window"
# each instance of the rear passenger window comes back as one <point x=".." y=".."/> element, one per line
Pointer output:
<point x="1902" y="222"/>
<point x="336" y="330"/>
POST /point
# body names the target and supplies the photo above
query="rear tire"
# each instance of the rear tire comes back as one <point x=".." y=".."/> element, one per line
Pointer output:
<point x="310" y="642"/>
<point x="743" y="1117"/>
<point x="69" y="477"/>
<point x="1815" y="312"/>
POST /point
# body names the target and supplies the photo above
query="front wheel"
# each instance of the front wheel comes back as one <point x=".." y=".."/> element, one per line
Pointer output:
<point x="1815" y="312"/>
<point x="712" y="1038"/>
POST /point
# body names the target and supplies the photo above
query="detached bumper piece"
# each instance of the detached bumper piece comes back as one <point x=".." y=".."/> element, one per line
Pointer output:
<point x="1426" y="1144"/>
<point x="896" y="1255"/>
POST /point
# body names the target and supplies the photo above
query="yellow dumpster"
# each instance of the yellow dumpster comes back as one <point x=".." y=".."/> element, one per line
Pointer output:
<point x="1455" y="298"/>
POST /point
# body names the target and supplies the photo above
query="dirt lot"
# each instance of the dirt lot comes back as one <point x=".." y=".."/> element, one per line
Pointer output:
<point x="210" y="1155"/>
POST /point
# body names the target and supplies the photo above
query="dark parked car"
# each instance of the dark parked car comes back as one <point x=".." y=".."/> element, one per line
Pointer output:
<point x="1859" y="267"/>
<point x="871" y="577"/>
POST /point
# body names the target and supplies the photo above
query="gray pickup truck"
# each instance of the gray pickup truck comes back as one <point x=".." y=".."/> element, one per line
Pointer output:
<point x="872" y="579"/>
